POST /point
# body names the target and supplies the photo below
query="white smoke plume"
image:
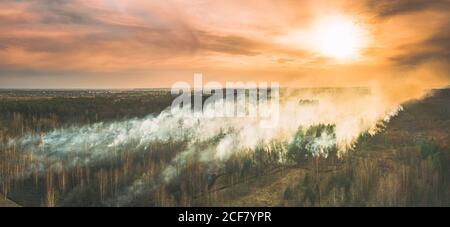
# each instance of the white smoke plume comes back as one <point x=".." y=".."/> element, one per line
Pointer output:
<point x="352" y="112"/>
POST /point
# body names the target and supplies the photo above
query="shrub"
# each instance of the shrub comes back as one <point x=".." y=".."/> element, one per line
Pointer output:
<point x="316" y="140"/>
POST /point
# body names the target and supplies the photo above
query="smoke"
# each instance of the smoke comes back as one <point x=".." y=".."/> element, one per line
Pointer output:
<point x="351" y="112"/>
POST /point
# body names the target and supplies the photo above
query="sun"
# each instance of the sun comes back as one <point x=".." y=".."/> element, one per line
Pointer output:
<point x="338" y="37"/>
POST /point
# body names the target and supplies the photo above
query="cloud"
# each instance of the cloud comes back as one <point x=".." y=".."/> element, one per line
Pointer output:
<point x="435" y="48"/>
<point x="284" y="60"/>
<point x="63" y="12"/>
<point x="399" y="7"/>
<point x="230" y="44"/>
<point x="64" y="29"/>
<point x="180" y="37"/>
<point x="413" y="32"/>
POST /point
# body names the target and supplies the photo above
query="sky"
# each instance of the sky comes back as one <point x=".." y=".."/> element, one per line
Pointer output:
<point x="154" y="43"/>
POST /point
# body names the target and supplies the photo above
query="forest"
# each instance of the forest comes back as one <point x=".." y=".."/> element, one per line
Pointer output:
<point x="406" y="164"/>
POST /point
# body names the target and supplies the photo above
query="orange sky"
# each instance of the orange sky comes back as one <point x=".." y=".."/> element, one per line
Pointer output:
<point x="153" y="43"/>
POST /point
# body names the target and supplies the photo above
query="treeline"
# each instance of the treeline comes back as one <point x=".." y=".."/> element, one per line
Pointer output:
<point x="43" y="114"/>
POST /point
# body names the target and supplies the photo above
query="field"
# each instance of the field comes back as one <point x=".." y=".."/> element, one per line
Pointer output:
<point x="93" y="148"/>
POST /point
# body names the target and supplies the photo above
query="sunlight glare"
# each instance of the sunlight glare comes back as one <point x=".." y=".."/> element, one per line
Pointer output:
<point x="338" y="37"/>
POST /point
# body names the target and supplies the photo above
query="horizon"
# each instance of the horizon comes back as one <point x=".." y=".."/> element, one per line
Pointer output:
<point x="168" y="88"/>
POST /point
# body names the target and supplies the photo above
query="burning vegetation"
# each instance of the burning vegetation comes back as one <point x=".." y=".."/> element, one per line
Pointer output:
<point x="337" y="147"/>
